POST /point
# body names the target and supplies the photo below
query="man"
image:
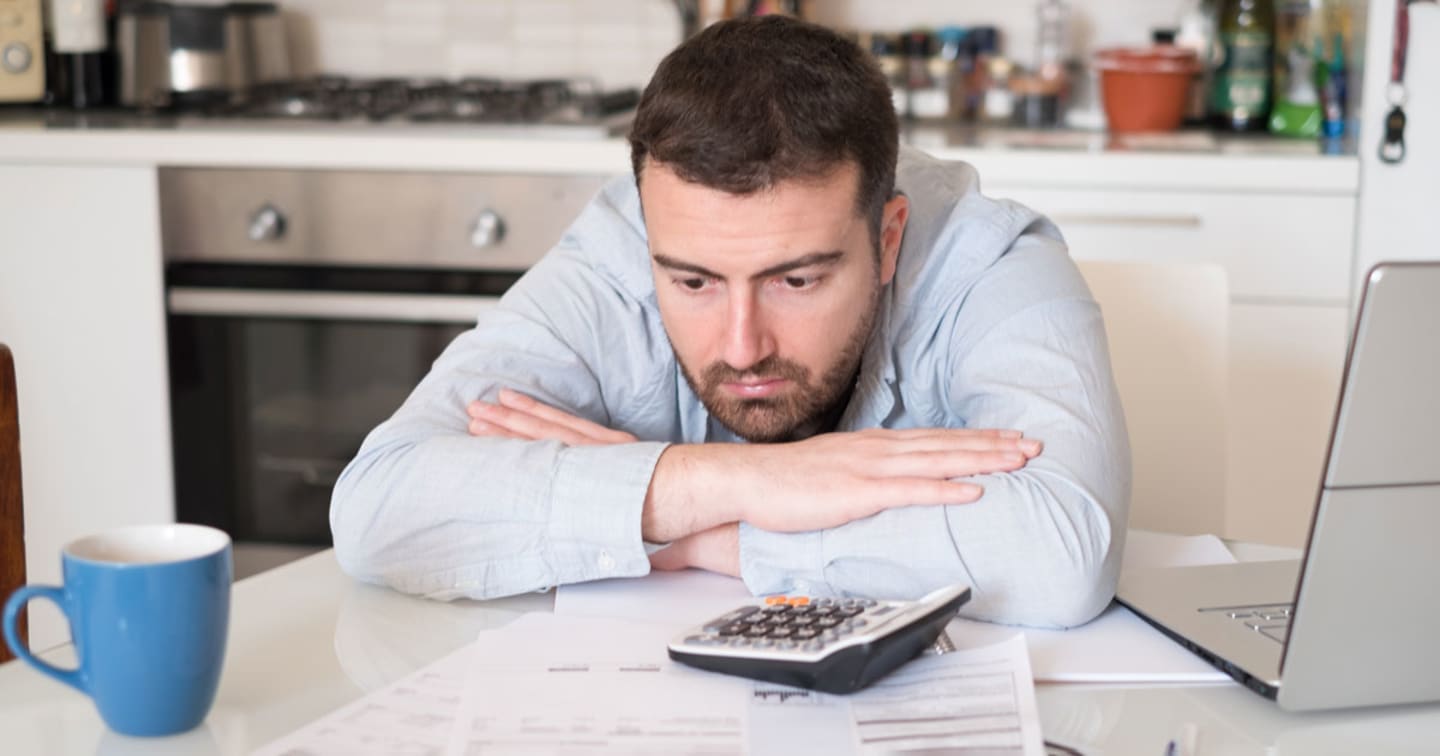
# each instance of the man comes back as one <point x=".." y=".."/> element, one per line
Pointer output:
<point x="894" y="351"/>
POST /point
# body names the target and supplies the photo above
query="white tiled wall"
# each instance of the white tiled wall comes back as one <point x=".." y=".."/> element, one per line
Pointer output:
<point x="620" y="41"/>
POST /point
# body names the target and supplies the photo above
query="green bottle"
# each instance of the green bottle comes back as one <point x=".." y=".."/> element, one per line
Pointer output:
<point x="1241" y="97"/>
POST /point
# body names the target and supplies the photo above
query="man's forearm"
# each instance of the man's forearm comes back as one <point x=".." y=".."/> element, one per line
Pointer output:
<point x="688" y="492"/>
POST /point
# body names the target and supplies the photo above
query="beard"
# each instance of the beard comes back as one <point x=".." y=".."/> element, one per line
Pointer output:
<point x="804" y="408"/>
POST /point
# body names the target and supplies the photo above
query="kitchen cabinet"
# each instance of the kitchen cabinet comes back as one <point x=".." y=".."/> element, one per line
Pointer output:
<point x="1288" y="259"/>
<point x="81" y="305"/>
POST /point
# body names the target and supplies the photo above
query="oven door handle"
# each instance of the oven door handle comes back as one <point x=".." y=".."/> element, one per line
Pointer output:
<point x="328" y="305"/>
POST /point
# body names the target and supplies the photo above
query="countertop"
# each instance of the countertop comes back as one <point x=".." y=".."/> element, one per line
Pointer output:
<point x="1191" y="160"/>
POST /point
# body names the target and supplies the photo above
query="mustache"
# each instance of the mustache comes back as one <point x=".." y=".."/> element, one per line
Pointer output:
<point x="769" y="368"/>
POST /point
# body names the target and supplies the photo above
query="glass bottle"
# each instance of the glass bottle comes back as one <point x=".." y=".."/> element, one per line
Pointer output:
<point x="1241" y="97"/>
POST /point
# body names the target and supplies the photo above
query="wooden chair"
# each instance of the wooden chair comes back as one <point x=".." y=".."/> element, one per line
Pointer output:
<point x="12" y="511"/>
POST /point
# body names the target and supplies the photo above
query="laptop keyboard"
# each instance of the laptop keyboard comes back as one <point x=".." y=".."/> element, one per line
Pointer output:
<point x="1269" y="620"/>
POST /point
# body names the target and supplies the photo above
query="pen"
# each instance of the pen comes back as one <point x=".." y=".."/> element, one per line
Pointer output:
<point x="1183" y="744"/>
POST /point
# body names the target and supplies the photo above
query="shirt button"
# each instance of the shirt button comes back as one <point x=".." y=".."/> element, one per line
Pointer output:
<point x="606" y="561"/>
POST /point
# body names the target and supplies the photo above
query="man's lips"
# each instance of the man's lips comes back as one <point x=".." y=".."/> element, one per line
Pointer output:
<point x="755" y="389"/>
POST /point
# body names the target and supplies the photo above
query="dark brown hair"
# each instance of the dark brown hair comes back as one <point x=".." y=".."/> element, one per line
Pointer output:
<point x="749" y="103"/>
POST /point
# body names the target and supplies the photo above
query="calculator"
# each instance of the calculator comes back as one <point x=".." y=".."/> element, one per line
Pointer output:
<point x="825" y="644"/>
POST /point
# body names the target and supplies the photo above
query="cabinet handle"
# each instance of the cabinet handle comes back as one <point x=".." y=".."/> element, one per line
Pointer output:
<point x="328" y="305"/>
<point x="1104" y="219"/>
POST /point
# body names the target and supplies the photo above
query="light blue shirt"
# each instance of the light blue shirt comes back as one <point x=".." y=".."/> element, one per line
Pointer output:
<point x="987" y="324"/>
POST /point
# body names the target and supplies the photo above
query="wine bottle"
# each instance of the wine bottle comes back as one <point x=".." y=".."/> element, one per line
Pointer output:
<point x="1241" y="97"/>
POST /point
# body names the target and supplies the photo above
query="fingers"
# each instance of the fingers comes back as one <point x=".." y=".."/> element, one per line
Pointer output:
<point x="599" y="433"/>
<point x="511" y="423"/>
<point x="1029" y="447"/>
<point x="521" y="417"/>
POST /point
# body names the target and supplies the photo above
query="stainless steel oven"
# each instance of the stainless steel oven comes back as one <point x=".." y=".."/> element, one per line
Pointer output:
<point x="303" y="306"/>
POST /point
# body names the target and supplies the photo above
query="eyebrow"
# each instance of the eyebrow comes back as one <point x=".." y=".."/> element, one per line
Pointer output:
<point x="804" y="261"/>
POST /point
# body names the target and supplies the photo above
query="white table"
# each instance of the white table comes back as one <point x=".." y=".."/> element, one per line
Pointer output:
<point x="305" y="639"/>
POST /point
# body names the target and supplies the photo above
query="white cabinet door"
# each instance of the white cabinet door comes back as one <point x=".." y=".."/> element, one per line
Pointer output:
<point x="1285" y="369"/>
<point x="81" y="306"/>
<point x="1274" y="246"/>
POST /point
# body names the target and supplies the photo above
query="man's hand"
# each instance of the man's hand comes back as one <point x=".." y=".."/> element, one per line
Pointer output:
<point x="715" y="550"/>
<point x="519" y="416"/>
<point x="824" y="481"/>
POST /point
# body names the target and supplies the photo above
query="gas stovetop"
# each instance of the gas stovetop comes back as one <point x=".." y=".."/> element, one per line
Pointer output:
<point x="560" y="107"/>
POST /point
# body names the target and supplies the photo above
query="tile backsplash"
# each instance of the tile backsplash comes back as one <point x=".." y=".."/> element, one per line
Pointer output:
<point x="619" y="42"/>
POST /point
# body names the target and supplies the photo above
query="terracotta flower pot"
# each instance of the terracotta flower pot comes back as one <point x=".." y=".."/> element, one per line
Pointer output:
<point x="1145" y="89"/>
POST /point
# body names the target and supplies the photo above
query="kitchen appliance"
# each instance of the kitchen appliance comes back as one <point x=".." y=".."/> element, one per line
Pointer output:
<point x="303" y="306"/>
<point x="171" y="53"/>
<point x="256" y="51"/>
<point x="22" y="50"/>
<point x="198" y="55"/>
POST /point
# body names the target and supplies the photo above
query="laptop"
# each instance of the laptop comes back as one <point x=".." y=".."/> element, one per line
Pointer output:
<point x="1355" y="622"/>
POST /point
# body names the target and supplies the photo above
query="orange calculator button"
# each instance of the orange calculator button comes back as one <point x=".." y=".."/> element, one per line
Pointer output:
<point x="799" y="600"/>
<point x="773" y="600"/>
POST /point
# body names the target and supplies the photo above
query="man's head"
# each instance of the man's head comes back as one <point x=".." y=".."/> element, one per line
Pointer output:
<point x="765" y="153"/>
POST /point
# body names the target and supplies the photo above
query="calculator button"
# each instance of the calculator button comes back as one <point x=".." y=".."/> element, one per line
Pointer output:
<point x="780" y="632"/>
<point x="849" y="611"/>
<point x="778" y="619"/>
<point x="857" y="622"/>
<point x="849" y="602"/>
<point x="802" y="621"/>
<point x="867" y="603"/>
<point x="826" y="602"/>
<point x="737" y="628"/>
<point x="813" y="645"/>
<point x="774" y="600"/>
<point x="799" y="600"/>
<point x="739" y="640"/>
<point x="805" y="633"/>
<point x="777" y="609"/>
<point x="785" y="645"/>
<point x="802" y="610"/>
<point x="829" y="635"/>
<point x="827" y="622"/>
<point x="823" y="611"/>
<point x="757" y="631"/>
<point x="731" y="618"/>
<point x="762" y="643"/>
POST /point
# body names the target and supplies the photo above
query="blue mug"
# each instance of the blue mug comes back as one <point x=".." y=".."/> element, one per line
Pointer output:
<point x="149" y="610"/>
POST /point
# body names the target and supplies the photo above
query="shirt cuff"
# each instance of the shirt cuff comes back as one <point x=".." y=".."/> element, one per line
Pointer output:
<point x="780" y="563"/>
<point x="596" y="500"/>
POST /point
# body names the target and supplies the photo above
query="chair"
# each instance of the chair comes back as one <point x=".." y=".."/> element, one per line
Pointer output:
<point x="1167" y="324"/>
<point x="12" y="511"/>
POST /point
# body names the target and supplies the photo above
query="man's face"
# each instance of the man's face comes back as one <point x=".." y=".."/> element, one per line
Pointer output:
<point x="768" y="298"/>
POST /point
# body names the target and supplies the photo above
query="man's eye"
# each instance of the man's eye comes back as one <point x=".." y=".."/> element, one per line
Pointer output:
<point x="692" y="284"/>
<point x="799" y="283"/>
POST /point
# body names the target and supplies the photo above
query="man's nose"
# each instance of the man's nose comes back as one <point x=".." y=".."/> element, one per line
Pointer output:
<point x="747" y="337"/>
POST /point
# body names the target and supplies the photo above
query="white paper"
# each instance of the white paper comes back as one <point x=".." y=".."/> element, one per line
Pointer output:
<point x="550" y="684"/>
<point x="415" y="715"/>
<point x="981" y="699"/>
<point x="679" y="599"/>
<point x="1115" y="647"/>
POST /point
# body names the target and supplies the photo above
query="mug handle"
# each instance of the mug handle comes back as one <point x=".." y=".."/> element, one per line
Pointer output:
<point x="17" y="601"/>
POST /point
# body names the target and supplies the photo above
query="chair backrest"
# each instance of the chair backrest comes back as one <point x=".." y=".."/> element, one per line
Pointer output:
<point x="12" y="510"/>
<point x="1168" y="327"/>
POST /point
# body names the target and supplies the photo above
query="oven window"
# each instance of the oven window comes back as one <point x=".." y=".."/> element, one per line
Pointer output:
<point x="266" y="412"/>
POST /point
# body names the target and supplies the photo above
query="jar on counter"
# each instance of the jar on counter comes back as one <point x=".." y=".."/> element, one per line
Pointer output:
<point x="998" y="106"/>
<point x="927" y="78"/>
<point x="1036" y="101"/>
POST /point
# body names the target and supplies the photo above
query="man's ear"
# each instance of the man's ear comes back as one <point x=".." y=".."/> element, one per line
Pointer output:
<point x="892" y="232"/>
